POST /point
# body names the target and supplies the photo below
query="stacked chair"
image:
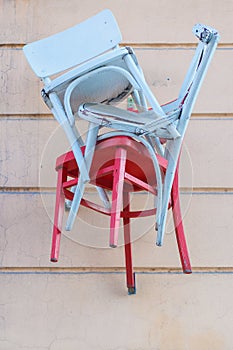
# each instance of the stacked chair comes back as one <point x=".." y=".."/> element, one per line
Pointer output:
<point x="85" y="75"/>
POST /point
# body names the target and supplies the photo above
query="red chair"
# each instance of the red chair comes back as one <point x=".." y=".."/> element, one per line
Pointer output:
<point x="118" y="166"/>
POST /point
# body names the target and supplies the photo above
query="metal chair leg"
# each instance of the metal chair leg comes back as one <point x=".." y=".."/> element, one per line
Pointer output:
<point x="79" y="191"/>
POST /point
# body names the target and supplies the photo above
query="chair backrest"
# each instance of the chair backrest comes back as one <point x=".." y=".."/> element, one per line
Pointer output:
<point x="64" y="50"/>
<point x="209" y="38"/>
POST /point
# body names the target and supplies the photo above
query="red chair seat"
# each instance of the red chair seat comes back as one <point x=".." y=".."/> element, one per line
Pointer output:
<point x="121" y="165"/>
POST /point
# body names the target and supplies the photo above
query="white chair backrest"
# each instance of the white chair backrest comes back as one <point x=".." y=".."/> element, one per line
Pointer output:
<point x="73" y="46"/>
<point x="209" y="38"/>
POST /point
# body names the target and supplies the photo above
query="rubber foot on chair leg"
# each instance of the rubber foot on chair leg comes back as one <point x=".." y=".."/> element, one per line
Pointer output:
<point x="112" y="245"/>
<point x="132" y="290"/>
<point x="53" y="260"/>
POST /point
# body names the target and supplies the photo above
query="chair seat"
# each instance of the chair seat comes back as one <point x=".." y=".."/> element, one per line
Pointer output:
<point x="143" y="123"/>
<point x="139" y="168"/>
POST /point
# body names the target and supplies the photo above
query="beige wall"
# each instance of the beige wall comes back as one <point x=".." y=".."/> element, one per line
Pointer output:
<point x="82" y="303"/>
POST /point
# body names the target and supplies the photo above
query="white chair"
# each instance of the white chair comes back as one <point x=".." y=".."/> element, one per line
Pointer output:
<point x="148" y="126"/>
<point x="84" y="70"/>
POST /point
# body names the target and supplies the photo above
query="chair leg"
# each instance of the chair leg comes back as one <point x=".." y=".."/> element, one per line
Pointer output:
<point x="79" y="191"/>
<point x="117" y="195"/>
<point x="130" y="276"/>
<point x="58" y="215"/>
<point x="179" y="229"/>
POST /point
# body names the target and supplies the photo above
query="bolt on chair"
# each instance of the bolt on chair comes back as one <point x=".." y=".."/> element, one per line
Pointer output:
<point x="85" y="73"/>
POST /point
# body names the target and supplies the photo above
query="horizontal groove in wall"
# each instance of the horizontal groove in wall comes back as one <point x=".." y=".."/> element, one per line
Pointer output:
<point x="44" y="116"/>
<point x="51" y="190"/>
<point x="108" y="270"/>
<point x="135" y="45"/>
<point x="27" y="190"/>
<point x="15" y="46"/>
<point x="212" y="116"/>
<point x="29" y="116"/>
<point x="174" y="47"/>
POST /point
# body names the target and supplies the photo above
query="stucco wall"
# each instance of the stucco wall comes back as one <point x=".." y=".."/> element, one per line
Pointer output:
<point x="81" y="302"/>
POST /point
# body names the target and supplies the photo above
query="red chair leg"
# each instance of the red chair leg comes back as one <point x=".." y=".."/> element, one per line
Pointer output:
<point x="130" y="276"/>
<point x="179" y="229"/>
<point x="117" y="195"/>
<point x="58" y="215"/>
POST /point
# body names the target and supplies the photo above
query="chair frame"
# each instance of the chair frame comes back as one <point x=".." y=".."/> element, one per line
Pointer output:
<point x="182" y="109"/>
<point x="68" y="176"/>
